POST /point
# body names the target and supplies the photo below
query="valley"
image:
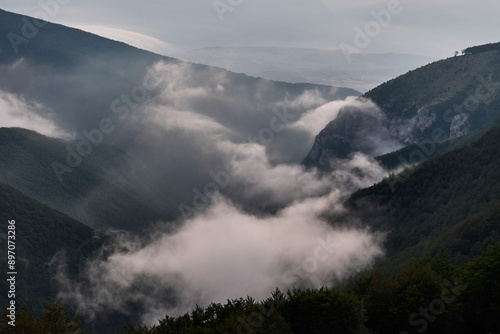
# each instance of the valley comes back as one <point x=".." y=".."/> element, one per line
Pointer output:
<point x="156" y="195"/>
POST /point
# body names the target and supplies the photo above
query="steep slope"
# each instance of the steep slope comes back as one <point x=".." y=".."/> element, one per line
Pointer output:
<point x="417" y="152"/>
<point x="448" y="201"/>
<point x="434" y="103"/>
<point x="353" y="130"/>
<point x="434" y="96"/>
<point x="42" y="237"/>
<point x="94" y="194"/>
<point x="463" y="240"/>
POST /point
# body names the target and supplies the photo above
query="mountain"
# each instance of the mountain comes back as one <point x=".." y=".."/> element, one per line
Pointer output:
<point x="417" y="152"/>
<point x="441" y="101"/>
<point x="117" y="117"/>
<point x="45" y="241"/>
<point x="457" y="94"/>
<point x="96" y="195"/>
<point x="353" y="130"/>
<point x="188" y="181"/>
<point x="328" y="67"/>
<point x="450" y="201"/>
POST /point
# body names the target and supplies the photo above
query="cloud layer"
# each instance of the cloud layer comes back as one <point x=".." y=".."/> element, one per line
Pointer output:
<point x="223" y="253"/>
<point x="253" y="218"/>
<point x="258" y="222"/>
<point x="17" y="112"/>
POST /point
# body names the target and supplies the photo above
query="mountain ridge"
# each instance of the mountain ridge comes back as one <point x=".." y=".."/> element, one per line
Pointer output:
<point x="75" y="81"/>
<point x="434" y="103"/>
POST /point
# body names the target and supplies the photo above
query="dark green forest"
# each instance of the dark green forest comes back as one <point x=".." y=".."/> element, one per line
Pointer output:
<point x="42" y="235"/>
<point x="451" y="201"/>
<point x="430" y="295"/>
<point x="25" y="164"/>
<point x="416" y="153"/>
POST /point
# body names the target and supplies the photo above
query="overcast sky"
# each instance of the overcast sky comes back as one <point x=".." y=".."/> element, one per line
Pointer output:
<point x="425" y="27"/>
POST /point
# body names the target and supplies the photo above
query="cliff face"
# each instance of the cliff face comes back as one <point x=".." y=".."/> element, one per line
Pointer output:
<point x="460" y="126"/>
<point x="353" y="130"/>
<point x="451" y="97"/>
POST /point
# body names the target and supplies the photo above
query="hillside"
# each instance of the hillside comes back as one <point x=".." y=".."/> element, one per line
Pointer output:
<point x="353" y="130"/>
<point x="450" y="201"/>
<point x="94" y="194"/>
<point x="435" y="103"/>
<point x="416" y="153"/>
<point x="45" y="239"/>
<point x="468" y="84"/>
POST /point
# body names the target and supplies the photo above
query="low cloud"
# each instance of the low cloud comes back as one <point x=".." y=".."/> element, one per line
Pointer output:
<point x="187" y="121"/>
<point x="306" y="100"/>
<point x="315" y="120"/>
<point x="254" y="170"/>
<point x="259" y="220"/>
<point x="134" y="38"/>
<point x="223" y="253"/>
<point x="17" y="112"/>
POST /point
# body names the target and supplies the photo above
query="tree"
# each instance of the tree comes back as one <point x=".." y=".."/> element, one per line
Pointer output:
<point x="413" y="300"/>
<point x="327" y="310"/>
<point x="482" y="279"/>
<point x="55" y="320"/>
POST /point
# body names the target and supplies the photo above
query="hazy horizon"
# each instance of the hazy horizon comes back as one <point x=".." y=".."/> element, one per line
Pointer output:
<point x="410" y="27"/>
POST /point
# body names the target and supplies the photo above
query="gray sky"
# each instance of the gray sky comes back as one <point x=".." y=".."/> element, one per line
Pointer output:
<point x="425" y="27"/>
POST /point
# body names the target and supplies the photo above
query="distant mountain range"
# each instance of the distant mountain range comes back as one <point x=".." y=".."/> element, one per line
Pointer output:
<point x="328" y="67"/>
